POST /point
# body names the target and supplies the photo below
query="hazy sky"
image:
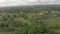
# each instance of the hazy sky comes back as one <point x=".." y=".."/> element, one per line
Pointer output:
<point x="27" y="2"/>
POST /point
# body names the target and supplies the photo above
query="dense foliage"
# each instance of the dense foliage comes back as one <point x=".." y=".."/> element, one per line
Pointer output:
<point x="30" y="21"/>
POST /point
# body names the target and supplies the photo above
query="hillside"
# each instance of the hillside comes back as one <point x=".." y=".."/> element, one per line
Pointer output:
<point x="38" y="19"/>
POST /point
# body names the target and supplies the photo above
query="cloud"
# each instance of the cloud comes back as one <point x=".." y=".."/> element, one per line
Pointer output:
<point x="27" y="2"/>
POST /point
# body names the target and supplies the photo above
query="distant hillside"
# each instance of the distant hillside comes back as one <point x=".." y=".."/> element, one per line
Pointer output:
<point x="30" y="6"/>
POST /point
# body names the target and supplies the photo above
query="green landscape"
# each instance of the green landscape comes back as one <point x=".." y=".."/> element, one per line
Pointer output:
<point x="30" y="21"/>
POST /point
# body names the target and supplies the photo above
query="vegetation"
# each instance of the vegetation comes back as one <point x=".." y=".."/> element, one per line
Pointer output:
<point x="30" y="21"/>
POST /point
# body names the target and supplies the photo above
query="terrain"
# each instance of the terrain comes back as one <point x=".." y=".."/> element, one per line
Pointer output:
<point x="30" y="20"/>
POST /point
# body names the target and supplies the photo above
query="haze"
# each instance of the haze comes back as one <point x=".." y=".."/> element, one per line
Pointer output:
<point x="27" y="2"/>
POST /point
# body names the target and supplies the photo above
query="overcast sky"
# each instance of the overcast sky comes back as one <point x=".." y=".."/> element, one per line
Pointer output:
<point x="27" y="2"/>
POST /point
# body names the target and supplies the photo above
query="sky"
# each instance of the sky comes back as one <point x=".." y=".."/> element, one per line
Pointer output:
<point x="27" y="2"/>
